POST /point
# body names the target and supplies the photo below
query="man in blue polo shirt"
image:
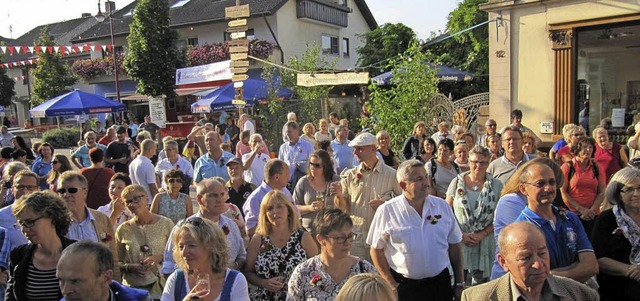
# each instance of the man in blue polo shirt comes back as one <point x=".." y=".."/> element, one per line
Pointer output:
<point x="214" y="162"/>
<point x="570" y="252"/>
<point x="295" y="153"/>
<point x="342" y="152"/>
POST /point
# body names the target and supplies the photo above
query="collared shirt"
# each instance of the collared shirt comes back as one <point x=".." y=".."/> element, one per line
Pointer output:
<point x="83" y="230"/>
<point x="550" y="291"/>
<point x="141" y="172"/>
<point x="507" y="211"/>
<point x="413" y="244"/>
<point x="248" y="126"/>
<point x="5" y="139"/>
<point x="8" y="221"/>
<point x="361" y="186"/>
<point x="437" y="136"/>
<point x="566" y="241"/>
<point x="164" y="165"/>
<point x="255" y="173"/>
<point x="251" y="207"/>
<point x="82" y="153"/>
<point x="342" y="154"/>
<point x="236" y="244"/>
<point x="206" y="167"/>
<point x="293" y="154"/>
<point x="240" y="197"/>
<point x="502" y="169"/>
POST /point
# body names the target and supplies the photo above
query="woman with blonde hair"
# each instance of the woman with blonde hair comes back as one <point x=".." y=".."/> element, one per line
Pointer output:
<point x="201" y="251"/>
<point x="571" y="135"/>
<point x="495" y="146"/>
<point x="308" y="131"/>
<point x="278" y="246"/>
<point x="388" y="156"/>
<point x="529" y="145"/>
<point x="366" y="287"/>
<point x="413" y="145"/>
<point x="323" y="134"/>
<point x="609" y="155"/>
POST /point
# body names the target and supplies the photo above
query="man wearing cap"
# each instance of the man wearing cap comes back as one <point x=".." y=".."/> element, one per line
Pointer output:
<point x="295" y="152"/>
<point x="364" y="188"/>
<point x="141" y="170"/>
<point x="239" y="189"/>
<point x="118" y="154"/>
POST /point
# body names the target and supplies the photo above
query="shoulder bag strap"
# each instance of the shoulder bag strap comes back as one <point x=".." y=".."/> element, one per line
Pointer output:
<point x="179" y="289"/>
<point x="225" y="295"/>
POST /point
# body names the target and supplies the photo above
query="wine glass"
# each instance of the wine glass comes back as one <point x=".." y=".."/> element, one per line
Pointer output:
<point x="203" y="282"/>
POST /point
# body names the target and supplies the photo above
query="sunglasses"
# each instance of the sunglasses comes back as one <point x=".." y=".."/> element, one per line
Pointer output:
<point x="315" y="165"/>
<point x="71" y="190"/>
<point x="28" y="223"/>
<point x="194" y="220"/>
<point x="491" y="124"/>
<point x="55" y="162"/>
<point x="172" y="181"/>
<point x="134" y="200"/>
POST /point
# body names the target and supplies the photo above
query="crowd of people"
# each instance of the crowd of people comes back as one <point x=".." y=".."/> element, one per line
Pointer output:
<point x="334" y="215"/>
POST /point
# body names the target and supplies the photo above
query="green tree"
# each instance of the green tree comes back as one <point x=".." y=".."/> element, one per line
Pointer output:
<point x="468" y="51"/>
<point x="382" y="44"/>
<point x="152" y="57"/>
<point x="51" y="76"/>
<point x="7" y="86"/>
<point x="398" y="107"/>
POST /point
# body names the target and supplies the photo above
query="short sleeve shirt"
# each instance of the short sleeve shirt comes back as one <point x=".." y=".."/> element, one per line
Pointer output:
<point x="413" y="244"/>
<point x="206" y="167"/>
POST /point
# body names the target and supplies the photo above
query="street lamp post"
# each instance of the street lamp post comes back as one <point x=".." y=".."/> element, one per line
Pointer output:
<point x="100" y="17"/>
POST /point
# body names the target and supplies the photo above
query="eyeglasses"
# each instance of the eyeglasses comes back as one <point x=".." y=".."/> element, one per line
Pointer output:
<point x="479" y="162"/>
<point x="171" y="181"/>
<point x="493" y="124"/>
<point x="630" y="189"/>
<point x="134" y="200"/>
<point x="343" y="239"/>
<point x="578" y="134"/>
<point x="542" y="184"/>
<point x="28" y="223"/>
<point x="315" y="165"/>
<point x="71" y="190"/>
<point x="27" y="187"/>
<point x="55" y="162"/>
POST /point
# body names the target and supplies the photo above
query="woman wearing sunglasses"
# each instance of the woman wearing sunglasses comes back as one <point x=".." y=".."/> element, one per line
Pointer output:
<point x="140" y="242"/>
<point x="44" y="220"/>
<point x="201" y="251"/>
<point x="59" y="165"/>
<point x="313" y="193"/>
<point x="322" y="276"/>
<point x="172" y="203"/>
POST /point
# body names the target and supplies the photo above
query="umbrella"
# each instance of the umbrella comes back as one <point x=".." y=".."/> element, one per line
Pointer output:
<point x="443" y="73"/>
<point x="76" y="103"/>
<point x="222" y="98"/>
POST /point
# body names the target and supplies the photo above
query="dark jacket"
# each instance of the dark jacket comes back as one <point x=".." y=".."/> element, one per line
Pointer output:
<point x="412" y="147"/>
<point x="18" y="266"/>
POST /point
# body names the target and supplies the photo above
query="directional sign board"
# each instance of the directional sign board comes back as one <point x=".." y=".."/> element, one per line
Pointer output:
<point x="240" y="11"/>
<point x="238" y="28"/>
<point x="239" y="70"/>
<point x="239" y="56"/>
<point x="233" y="49"/>
<point x="237" y="64"/>
<point x="332" y="79"/>
<point x="239" y="22"/>
<point x="238" y="35"/>
<point x="238" y="43"/>
<point x="239" y="77"/>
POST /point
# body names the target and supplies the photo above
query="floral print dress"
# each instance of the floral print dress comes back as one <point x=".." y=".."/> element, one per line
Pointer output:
<point x="311" y="281"/>
<point x="273" y="262"/>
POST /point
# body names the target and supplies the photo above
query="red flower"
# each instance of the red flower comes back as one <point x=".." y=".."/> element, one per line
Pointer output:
<point x="434" y="219"/>
<point x="359" y="176"/>
<point x="225" y="229"/>
<point x="316" y="280"/>
<point x="105" y="237"/>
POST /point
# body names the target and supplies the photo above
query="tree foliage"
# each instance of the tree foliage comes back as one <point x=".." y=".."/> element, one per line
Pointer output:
<point x="468" y="51"/>
<point x="51" y="76"/>
<point x="382" y="44"/>
<point x="396" y="108"/>
<point x="152" y="57"/>
<point x="7" y="86"/>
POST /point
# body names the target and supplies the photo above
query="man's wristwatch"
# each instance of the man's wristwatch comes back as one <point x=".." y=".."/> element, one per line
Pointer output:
<point x="460" y="284"/>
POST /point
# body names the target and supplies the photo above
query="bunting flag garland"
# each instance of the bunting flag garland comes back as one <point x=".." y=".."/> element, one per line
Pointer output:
<point x="35" y="50"/>
<point x="17" y="78"/>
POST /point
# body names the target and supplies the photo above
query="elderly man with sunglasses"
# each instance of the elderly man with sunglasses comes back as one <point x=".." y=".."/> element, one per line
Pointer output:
<point x="86" y="223"/>
<point x="571" y="254"/>
<point x="212" y="195"/>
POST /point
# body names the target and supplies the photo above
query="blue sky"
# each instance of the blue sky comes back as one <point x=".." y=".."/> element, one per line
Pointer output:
<point x="423" y="16"/>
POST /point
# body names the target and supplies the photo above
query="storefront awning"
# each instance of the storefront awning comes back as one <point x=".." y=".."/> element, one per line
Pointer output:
<point x="135" y="97"/>
<point x="190" y="91"/>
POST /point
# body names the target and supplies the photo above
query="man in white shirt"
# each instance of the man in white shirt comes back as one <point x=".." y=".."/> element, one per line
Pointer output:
<point x="142" y="171"/>
<point x="173" y="161"/>
<point x="291" y="116"/>
<point x="245" y="124"/>
<point x="414" y="237"/>
<point x="255" y="161"/>
<point x="490" y="129"/>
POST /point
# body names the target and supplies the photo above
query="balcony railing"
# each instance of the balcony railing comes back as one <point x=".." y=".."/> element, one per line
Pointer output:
<point x="323" y="11"/>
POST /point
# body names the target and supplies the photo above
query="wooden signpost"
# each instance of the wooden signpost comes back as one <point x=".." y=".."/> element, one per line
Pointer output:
<point x="238" y="48"/>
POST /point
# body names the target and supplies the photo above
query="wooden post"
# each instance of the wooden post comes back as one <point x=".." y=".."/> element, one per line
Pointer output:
<point x="238" y="49"/>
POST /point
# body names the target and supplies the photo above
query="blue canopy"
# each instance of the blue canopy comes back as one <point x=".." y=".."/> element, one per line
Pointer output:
<point x="76" y="103"/>
<point x="443" y="73"/>
<point x="222" y="98"/>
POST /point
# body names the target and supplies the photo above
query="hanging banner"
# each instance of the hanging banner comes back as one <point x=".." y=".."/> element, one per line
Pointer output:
<point x="332" y="79"/>
<point x="205" y="73"/>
